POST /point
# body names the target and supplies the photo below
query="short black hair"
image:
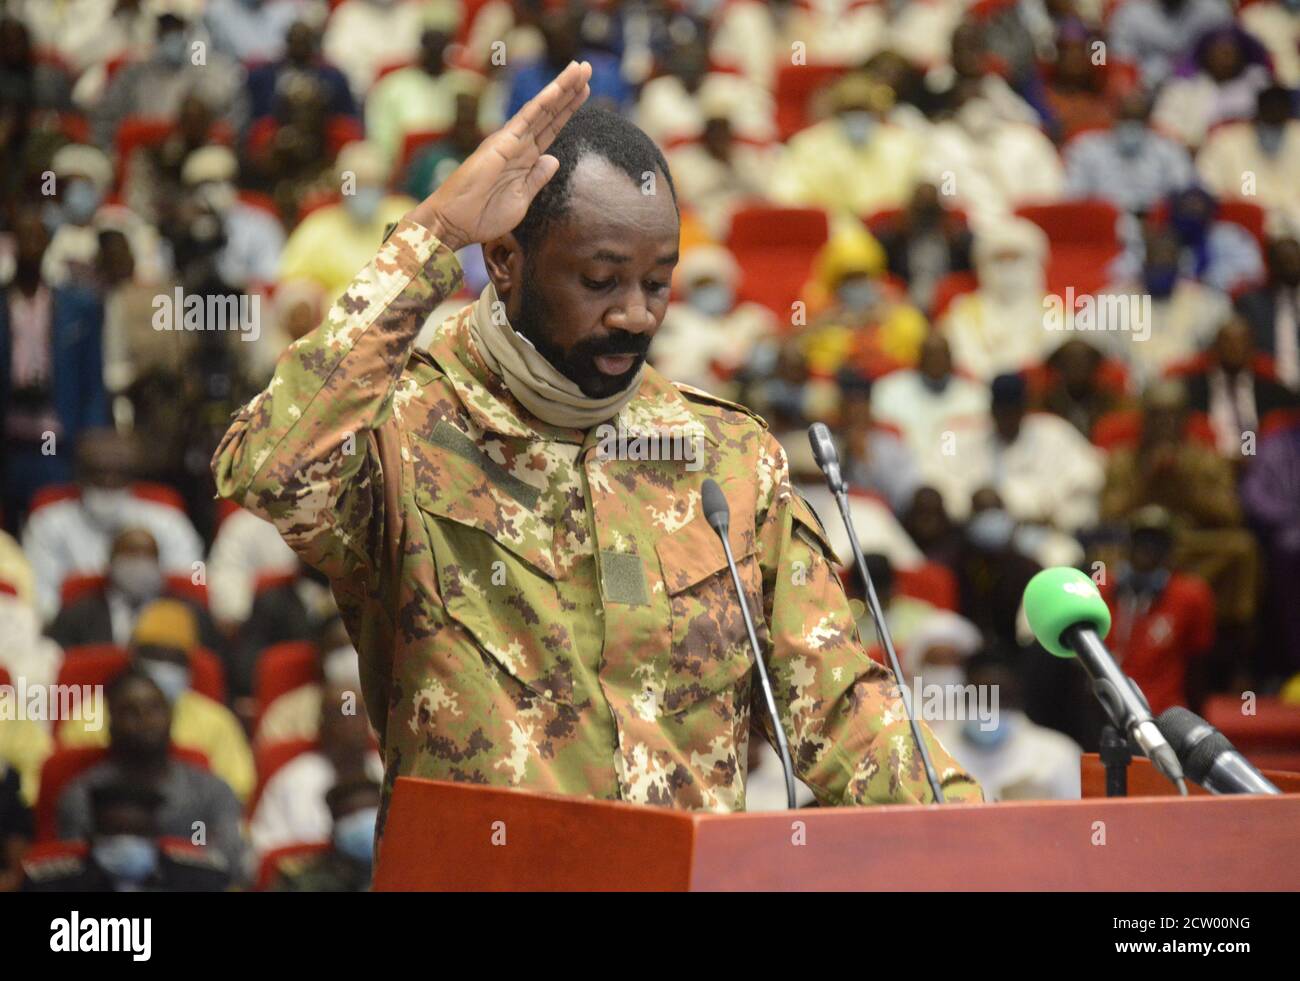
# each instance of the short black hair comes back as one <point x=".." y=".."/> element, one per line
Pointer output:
<point x="590" y="130"/>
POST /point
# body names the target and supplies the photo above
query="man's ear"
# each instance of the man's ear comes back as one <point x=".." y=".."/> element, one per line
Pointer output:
<point x="504" y="259"/>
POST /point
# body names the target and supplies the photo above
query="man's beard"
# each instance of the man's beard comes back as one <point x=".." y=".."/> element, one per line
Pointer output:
<point x="578" y="364"/>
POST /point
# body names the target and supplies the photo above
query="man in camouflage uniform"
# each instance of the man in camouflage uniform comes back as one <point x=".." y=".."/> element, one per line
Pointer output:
<point x="530" y="610"/>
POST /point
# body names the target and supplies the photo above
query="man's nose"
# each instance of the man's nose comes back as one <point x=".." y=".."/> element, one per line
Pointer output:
<point x="633" y="317"/>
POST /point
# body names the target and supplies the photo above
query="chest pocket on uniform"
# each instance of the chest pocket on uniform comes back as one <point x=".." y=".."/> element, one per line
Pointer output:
<point x="709" y="651"/>
<point x="496" y="583"/>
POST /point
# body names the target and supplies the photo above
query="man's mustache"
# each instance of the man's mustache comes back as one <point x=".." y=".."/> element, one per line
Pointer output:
<point x="634" y="344"/>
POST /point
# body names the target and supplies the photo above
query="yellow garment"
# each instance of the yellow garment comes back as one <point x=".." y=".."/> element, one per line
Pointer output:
<point x="167" y="623"/>
<point x="198" y="723"/>
<point x="25" y="745"/>
<point x="329" y="248"/>
<point x="1290" y="693"/>
<point x="821" y="166"/>
<point x="294" y="715"/>
<point x="827" y="347"/>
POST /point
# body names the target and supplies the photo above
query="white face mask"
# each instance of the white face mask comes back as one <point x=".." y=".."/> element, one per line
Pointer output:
<point x="712" y="299"/>
<point x="127" y="858"/>
<point x="139" y="578"/>
<point x="858" y="125"/>
<point x="104" y="505"/>
<point x="1016" y="278"/>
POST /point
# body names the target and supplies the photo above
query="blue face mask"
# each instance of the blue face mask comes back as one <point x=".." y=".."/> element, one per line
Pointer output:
<point x="172" y="48"/>
<point x="354" y="834"/>
<point x="991" y="529"/>
<point x="1160" y="280"/>
<point x="975" y="733"/>
<point x="173" y="679"/>
<point x="1270" y="138"/>
<point x="80" y="201"/>
<point x="364" y="204"/>
<point x="858" y="294"/>
<point x="712" y="299"/>
<point x="858" y="125"/>
<point x="128" y="858"/>
<point x="1129" y="134"/>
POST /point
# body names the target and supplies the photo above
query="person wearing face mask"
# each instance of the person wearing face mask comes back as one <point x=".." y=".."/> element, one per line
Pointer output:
<point x="140" y="754"/>
<point x="83" y="176"/>
<point x="51" y="374"/>
<point x="127" y="853"/>
<point x="1044" y="469"/>
<point x="1015" y="758"/>
<point x="854" y="161"/>
<point x="1178" y="320"/>
<point x="166" y="634"/>
<point x="1267" y="147"/>
<point x="924" y="243"/>
<point x="333" y="242"/>
<point x="928" y="401"/>
<point x="990" y="165"/>
<point x="708" y="336"/>
<point x="1230" y="70"/>
<point x="296" y="714"/>
<point x="134" y="580"/>
<point x="345" y="866"/>
<point x="1162" y="619"/>
<point x="156" y="86"/>
<point x="1000" y="326"/>
<point x="292" y="807"/>
<point x="1130" y="164"/>
<point x="253" y="238"/>
<point x="73" y="535"/>
<point x="991" y="570"/>
<point x="865" y="324"/>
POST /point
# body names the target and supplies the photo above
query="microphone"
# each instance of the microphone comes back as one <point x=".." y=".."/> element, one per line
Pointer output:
<point x="828" y="459"/>
<point x="1210" y="759"/>
<point x="1069" y="618"/>
<point x="718" y="515"/>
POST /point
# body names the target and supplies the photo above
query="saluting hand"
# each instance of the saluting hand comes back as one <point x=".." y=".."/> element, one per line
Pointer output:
<point x="488" y="195"/>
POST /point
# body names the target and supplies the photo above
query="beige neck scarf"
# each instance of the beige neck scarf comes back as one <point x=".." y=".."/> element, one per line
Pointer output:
<point x="533" y="380"/>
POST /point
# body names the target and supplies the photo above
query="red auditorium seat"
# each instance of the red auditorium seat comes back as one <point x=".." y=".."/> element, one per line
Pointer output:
<point x="775" y="248"/>
<point x="64" y="765"/>
<point x="795" y="87"/>
<point x="1083" y="241"/>
<point x="269" y="759"/>
<point x="281" y="668"/>
<point x="283" y="859"/>
<point x="98" y="664"/>
<point x="931" y="582"/>
<point x="178" y="585"/>
<point x="1249" y="216"/>
<point x="948" y="289"/>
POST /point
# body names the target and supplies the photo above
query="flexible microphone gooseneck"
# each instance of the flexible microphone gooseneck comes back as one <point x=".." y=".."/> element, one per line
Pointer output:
<point x="718" y="515"/>
<point x="1210" y="759"/>
<point x="1069" y="618"/>
<point x="828" y="460"/>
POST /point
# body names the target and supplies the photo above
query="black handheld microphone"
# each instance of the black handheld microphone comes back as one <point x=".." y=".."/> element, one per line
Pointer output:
<point x="1209" y="758"/>
<point x="1069" y="619"/>
<point x="718" y="515"/>
<point x="828" y="459"/>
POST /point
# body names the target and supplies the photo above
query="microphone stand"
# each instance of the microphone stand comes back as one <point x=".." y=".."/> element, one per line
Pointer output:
<point x="1116" y="757"/>
<point x="827" y="459"/>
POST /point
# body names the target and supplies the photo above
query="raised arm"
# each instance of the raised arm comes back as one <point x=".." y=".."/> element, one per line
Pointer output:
<point x="302" y="453"/>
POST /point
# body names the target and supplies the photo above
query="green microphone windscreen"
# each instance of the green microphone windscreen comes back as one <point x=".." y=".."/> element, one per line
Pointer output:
<point x="1057" y="599"/>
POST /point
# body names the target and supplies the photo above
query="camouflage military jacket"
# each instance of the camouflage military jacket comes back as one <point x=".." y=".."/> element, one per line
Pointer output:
<point x="534" y="611"/>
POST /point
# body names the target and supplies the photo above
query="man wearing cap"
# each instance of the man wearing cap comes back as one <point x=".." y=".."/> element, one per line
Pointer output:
<point x="254" y="237"/>
<point x="856" y="161"/>
<point x="166" y="635"/>
<point x="532" y="607"/>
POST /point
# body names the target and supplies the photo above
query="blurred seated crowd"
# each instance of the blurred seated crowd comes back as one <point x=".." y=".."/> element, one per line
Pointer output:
<point x="1036" y="263"/>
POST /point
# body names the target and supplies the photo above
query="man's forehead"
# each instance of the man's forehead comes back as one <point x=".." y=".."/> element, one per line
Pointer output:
<point x="603" y="198"/>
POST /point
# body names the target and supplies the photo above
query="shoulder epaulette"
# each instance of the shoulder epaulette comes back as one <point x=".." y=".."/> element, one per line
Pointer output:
<point x="195" y="856"/>
<point x="694" y="394"/>
<point x="53" y="867"/>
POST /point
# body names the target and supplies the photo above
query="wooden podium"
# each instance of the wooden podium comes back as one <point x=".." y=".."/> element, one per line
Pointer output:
<point x="450" y="836"/>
